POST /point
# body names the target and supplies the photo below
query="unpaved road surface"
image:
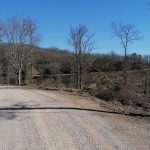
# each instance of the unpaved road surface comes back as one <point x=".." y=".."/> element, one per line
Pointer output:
<point x="51" y="120"/>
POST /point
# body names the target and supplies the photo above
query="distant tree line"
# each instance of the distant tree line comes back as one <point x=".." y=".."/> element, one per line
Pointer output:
<point x="64" y="62"/>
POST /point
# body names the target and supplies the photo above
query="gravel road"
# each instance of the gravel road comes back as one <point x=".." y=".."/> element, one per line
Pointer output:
<point x="33" y="119"/>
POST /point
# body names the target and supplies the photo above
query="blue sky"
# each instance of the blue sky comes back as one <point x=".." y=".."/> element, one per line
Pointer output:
<point x="55" y="17"/>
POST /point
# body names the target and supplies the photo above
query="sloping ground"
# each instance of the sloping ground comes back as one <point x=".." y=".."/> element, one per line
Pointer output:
<point x="37" y="119"/>
<point x="125" y="101"/>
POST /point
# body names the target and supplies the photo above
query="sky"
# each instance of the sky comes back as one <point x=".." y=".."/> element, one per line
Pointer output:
<point x="55" y="17"/>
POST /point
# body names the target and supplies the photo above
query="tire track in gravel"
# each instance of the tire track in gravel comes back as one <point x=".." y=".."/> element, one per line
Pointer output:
<point x="34" y="138"/>
<point x="82" y="139"/>
<point x="99" y="139"/>
<point x="54" y="133"/>
<point x="104" y="128"/>
<point x="21" y="133"/>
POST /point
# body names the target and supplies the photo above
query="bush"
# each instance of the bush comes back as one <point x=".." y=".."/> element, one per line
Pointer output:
<point x="106" y="95"/>
<point x="117" y="88"/>
<point x="66" y="80"/>
<point x="118" y="65"/>
<point x="47" y="71"/>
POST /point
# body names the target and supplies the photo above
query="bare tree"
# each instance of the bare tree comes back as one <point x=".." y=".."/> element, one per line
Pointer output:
<point x="126" y="34"/>
<point x="20" y="34"/>
<point x="82" y="44"/>
<point x="1" y="36"/>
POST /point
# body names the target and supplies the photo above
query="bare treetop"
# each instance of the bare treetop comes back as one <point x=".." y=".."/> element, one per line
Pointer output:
<point x="126" y="33"/>
<point x="81" y="40"/>
<point x="1" y="31"/>
<point x="21" y="31"/>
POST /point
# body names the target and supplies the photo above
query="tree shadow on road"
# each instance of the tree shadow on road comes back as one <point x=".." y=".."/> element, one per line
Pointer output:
<point x="7" y="115"/>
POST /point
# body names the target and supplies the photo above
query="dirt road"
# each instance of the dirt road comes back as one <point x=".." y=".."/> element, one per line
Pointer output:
<point x="47" y="120"/>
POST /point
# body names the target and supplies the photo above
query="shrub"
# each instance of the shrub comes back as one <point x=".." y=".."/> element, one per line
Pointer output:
<point x="66" y="80"/>
<point x="106" y="95"/>
<point x="117" y="88"/>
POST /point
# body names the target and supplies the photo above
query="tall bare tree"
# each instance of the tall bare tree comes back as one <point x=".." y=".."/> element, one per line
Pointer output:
<point x="19" y="35"/>
<point x="126" y="34"/>
<point x="82" y="43"/>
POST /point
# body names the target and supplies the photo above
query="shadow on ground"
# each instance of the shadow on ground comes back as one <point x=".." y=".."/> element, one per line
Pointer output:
<point x="8" y="115"/>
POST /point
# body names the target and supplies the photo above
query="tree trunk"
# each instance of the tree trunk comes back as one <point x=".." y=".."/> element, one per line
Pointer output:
<point x="19" y="77"/>
<point x="125" y="66"/>
<point x="80" y="77"/>
<point x="78" y="72"/>
<point x="8" y="76"/>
